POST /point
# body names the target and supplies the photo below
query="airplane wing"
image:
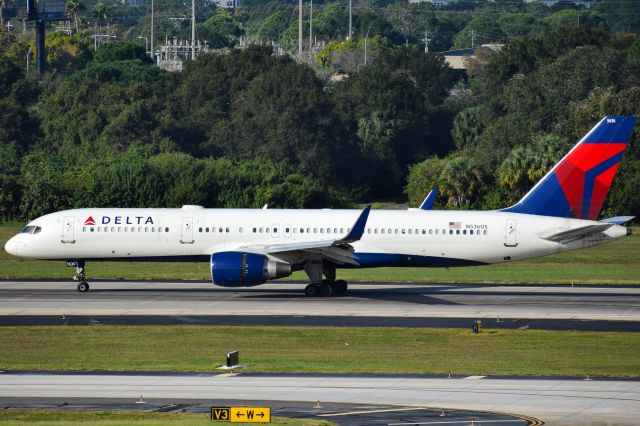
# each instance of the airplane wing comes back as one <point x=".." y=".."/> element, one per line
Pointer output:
<point x="575" y="233"/>
<point x="338" y="251"/>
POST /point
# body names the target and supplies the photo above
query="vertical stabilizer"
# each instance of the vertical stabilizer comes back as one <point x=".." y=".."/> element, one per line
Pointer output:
<point x="577" y="186"/>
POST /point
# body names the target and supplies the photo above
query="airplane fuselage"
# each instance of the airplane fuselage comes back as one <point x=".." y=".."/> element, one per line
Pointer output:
<point x="391" y="237"/>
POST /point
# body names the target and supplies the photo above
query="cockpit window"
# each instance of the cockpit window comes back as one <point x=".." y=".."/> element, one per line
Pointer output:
<point x="31" y="230"/>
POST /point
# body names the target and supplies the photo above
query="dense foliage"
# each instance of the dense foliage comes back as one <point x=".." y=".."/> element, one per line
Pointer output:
<point x="246" y="127"/>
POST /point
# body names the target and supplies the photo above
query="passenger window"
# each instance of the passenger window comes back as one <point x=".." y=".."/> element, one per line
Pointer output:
<point x="464" y="232"/>
<point x="286" y="230"/>
<point x="226" y="230"/>
<point x="437" y="232"/>
<point x="166" y="229"/>
<point x="471" y="232"/>
<point x="146" y="229"/>
<point x="139" y="228"/>
<point x="403" y="231"/>
<point x="382" y="231"/>
<point x="240" y="230"/>
<point x="315" y="230"/>
<point x="430" y="231"/>
<point x="335" y="230"/>
<point x="375" y="231"/>
<point x="261" y="230"/>
<point x="342" y="230"/>
<point x="254" y="230"/>
<point x="98" y="229"/>
<point x="457" y="232"/>
<point x="450" y="231"/>
<point x="220" y="230"/>
<point x="485" y="232"/>
<point x="84" y="229"/>
<point x="275" y="230"/>
<point x="322" y="230"/>
<point x="133" y="229"/>
<point x="410" y="231"/>
<point x="199" y="229"/>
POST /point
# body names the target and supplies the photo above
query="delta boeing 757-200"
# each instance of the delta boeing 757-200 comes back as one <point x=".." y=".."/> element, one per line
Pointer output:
<point x="247" y="247"/>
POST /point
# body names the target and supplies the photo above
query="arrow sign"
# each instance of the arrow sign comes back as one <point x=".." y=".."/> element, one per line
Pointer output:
<point x="251" y="414"/>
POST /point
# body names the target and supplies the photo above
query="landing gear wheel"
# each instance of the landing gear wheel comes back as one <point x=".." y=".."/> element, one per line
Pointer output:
<point x="340" y="286"/>
<point x="83" y="287"/>
<point x="326" y="290"/>
<point x="312" y="290"/>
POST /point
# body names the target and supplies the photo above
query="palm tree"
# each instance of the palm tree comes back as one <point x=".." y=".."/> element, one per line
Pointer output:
<point x="101" y="12"/>
<point x="73" y="7"/>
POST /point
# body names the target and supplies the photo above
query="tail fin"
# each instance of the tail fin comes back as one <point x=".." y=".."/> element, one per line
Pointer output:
<point x="577" y="186"/>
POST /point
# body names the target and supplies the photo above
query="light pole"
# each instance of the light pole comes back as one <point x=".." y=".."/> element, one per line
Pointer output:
<point x="146" y="43"/>
<point x="366" y="37"/>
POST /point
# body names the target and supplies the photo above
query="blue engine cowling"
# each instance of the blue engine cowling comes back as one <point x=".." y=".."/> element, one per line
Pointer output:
<point x="238" y="269"/>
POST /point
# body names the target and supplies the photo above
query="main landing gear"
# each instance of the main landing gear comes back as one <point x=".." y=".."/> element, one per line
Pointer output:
<point x="323" y="287"/>
<point x="83" y="285"/>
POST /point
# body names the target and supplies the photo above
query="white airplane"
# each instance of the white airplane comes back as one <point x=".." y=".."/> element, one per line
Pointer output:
<point x="247" y="247"/>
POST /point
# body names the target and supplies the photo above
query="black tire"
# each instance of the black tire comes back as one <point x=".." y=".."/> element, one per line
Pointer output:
<point x="340" y="286"/>
<point x="326" y="290"/>
<point x="83" y="287"/>
<point x="312" y="290"/>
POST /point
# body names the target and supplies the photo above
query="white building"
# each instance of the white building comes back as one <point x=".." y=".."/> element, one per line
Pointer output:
<point x="436" y="3"/>
<point x="585" y="3"/>
<point x="228" y="4"/>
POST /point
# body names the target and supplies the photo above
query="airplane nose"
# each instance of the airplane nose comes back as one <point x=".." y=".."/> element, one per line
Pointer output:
<point x="11" y="246"/>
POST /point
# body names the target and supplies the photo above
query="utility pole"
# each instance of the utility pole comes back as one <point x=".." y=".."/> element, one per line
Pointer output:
<point x="350" y="22"/>
<point x="365" y="45"/>
<point x="300" y="28"/>
<point x="151" y="52"/>
<point x="473" y="38"/>
<point x="193" y="29"/>
<point x="426" y="41"/>
<point x="311" y="30"/>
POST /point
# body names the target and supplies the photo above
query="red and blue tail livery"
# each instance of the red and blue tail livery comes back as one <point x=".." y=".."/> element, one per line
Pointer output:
<point x="578" y="185"/>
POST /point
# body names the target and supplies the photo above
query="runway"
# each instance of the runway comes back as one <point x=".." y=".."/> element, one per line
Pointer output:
<point x="393" y="304"/>
<point x="555" y="401"/>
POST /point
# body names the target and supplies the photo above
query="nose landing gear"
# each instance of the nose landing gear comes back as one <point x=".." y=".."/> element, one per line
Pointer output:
<point x="83" y="285"/>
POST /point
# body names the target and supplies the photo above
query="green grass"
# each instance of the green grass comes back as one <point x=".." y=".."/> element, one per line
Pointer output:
<point x="615" y="263"/>
<point x="125" y="418"/>
<point x="321" y="350"/>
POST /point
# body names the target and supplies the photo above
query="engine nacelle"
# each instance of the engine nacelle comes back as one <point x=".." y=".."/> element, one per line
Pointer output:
<point x="238" y="269"/>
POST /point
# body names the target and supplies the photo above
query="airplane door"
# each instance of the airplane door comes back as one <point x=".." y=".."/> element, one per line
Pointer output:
<point x="187" y="230"/>
<point x="67" y="230"/>
<point x="511" y="233"/>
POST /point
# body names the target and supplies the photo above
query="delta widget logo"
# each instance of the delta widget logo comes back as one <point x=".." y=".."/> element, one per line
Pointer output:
<point x="90" y="221"/>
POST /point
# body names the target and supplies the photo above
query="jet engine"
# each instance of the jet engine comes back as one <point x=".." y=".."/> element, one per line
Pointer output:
<point x="238" y="269"/>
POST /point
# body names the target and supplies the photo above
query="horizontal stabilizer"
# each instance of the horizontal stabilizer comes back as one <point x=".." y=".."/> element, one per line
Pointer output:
<point x="576" y="233"/>
<point x="618" y="220"/>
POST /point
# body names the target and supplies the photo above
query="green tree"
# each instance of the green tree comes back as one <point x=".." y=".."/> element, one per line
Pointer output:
<point x="73" y="7"/>
<point x="479" y="31"/>
<point x="120" y="51"/>
<point x="221" y="30"/>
